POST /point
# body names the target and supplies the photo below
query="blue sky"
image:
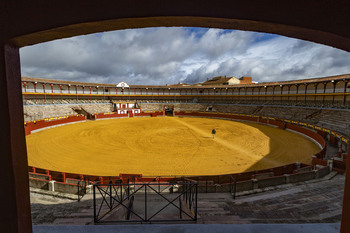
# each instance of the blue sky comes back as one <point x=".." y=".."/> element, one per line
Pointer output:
<point x="159" y="56"/>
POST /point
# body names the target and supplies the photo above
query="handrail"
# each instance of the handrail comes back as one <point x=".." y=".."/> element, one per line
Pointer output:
<point x="234" y="187"/>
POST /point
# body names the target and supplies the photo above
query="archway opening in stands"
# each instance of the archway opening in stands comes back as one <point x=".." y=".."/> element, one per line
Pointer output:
<point x="269" y="94"/>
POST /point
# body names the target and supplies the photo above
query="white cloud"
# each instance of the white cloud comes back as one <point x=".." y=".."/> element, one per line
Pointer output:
<point x="171" y="55"/>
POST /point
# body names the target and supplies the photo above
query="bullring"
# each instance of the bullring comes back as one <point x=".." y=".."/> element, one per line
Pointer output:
<point x="317" y="104"/>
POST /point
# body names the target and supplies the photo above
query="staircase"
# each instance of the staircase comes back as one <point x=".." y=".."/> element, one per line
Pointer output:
<point x="313" y="115"/>
<point x="257" y="110"/>
<point x="215" y="208"/>
<point x="82" y="111"/>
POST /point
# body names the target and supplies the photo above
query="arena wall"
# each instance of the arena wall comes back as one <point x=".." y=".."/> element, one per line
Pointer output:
<point x="50" y="122"/>
<point x="67" y="182"/>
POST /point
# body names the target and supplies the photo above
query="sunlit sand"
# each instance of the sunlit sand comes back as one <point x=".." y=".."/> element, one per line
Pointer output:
<point x="165" y="146"/>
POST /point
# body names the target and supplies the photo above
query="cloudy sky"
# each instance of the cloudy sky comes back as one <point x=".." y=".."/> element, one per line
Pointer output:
<point x="158" y="56"/>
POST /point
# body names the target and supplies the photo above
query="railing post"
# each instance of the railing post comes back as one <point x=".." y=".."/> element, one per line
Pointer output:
<point x="190" y="198"/>
<point x="185" y="190"/>
<point x="86" y="182"/>
<point x="195" y="211"/>
<point x="234" y="189"/>
<point x="146" y="202"/>
<point x="78" y="191"/>
<point x="230" y="187"/>
<point x="110" y="195"/>
<point x="94" y="193"/>
<point x="180" y="202"/>
<point x="121" y="192"/>
<point x="128" y="190"/>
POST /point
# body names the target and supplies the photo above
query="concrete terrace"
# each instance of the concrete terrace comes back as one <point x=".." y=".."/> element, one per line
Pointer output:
<point x="315" y="201"/>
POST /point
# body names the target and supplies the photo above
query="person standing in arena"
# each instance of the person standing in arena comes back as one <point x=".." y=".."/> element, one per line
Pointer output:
<point x="213" y="132"/>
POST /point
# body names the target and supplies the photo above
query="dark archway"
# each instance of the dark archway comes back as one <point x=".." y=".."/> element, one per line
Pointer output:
<point x="34" y="21"/>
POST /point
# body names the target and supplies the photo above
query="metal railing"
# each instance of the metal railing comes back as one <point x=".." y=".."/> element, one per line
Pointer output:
<point x="135" y="200"/>
<point x="82" y="183"/>
<point x="207" y="185"/>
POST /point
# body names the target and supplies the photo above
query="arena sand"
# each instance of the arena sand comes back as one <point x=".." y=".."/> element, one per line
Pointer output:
<point x="165" y="146"/>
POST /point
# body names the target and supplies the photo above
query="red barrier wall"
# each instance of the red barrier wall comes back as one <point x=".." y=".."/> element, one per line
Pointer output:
<point x="114" y="115"/>
<point x="339" y="166"/>
<point x="152" y="114"/>
<point x="261" y="120"/>
<point x="277" y="123"/>
<point x="319" y="161"/>
<point x="33" y="125"/>
<point x="332" y="139"/>
<point x="308" y="132"/>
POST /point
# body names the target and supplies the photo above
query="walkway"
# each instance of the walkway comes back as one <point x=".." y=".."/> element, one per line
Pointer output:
<point x="316" y="201"/>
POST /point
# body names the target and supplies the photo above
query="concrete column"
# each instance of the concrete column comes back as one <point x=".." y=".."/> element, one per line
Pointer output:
<point x="287" y="178"/>
<point x="52" y="185"/>
<point x="316" y="175"/>
<point x="255" y="184"/>
<point x="89" y="188"/>
<point x="330" y="164"/>
<point x="13" y="158"/>
<point x="344" y="146"/>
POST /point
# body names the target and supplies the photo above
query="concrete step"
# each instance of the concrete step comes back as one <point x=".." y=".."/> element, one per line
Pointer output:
<point x="82" y="215"/>
<point x="210" y="204"/>
<point x="215" y="213"/>
<point x="223" y="220"/>
<point x="73" y="221"/>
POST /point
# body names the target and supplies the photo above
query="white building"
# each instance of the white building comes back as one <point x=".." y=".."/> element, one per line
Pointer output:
<point x="126" y="107"/>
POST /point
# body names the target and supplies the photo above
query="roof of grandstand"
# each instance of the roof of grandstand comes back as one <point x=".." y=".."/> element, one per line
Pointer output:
<point x="215" y="82"/>
<point x="220" y="80"/>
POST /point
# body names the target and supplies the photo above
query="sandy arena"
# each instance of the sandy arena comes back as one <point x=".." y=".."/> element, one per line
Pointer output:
<point x="165" y="146"/>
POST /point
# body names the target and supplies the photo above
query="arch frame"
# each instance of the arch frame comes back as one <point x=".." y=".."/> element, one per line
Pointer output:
<point x="24" y="23"/>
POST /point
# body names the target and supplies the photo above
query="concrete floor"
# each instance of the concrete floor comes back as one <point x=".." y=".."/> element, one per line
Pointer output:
<point x="194" y="228"/>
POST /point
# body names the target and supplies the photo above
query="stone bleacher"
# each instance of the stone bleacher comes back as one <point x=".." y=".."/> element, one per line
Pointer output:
<point x="337" y="120"/>
<point x="36" y="112"/>
<point x="98" y="108"/>
<point x="63" y="101"/>
<point x="46" y="111"/>
<point x="191" y="107"/>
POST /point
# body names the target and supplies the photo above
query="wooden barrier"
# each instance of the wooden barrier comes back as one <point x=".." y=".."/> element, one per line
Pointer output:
<point x="39" y="124"/>
<point x="309" y="133"/>
<point x="113" y="115"/>
<point x="318" y="161"/>
<point x="339" y="166"/>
